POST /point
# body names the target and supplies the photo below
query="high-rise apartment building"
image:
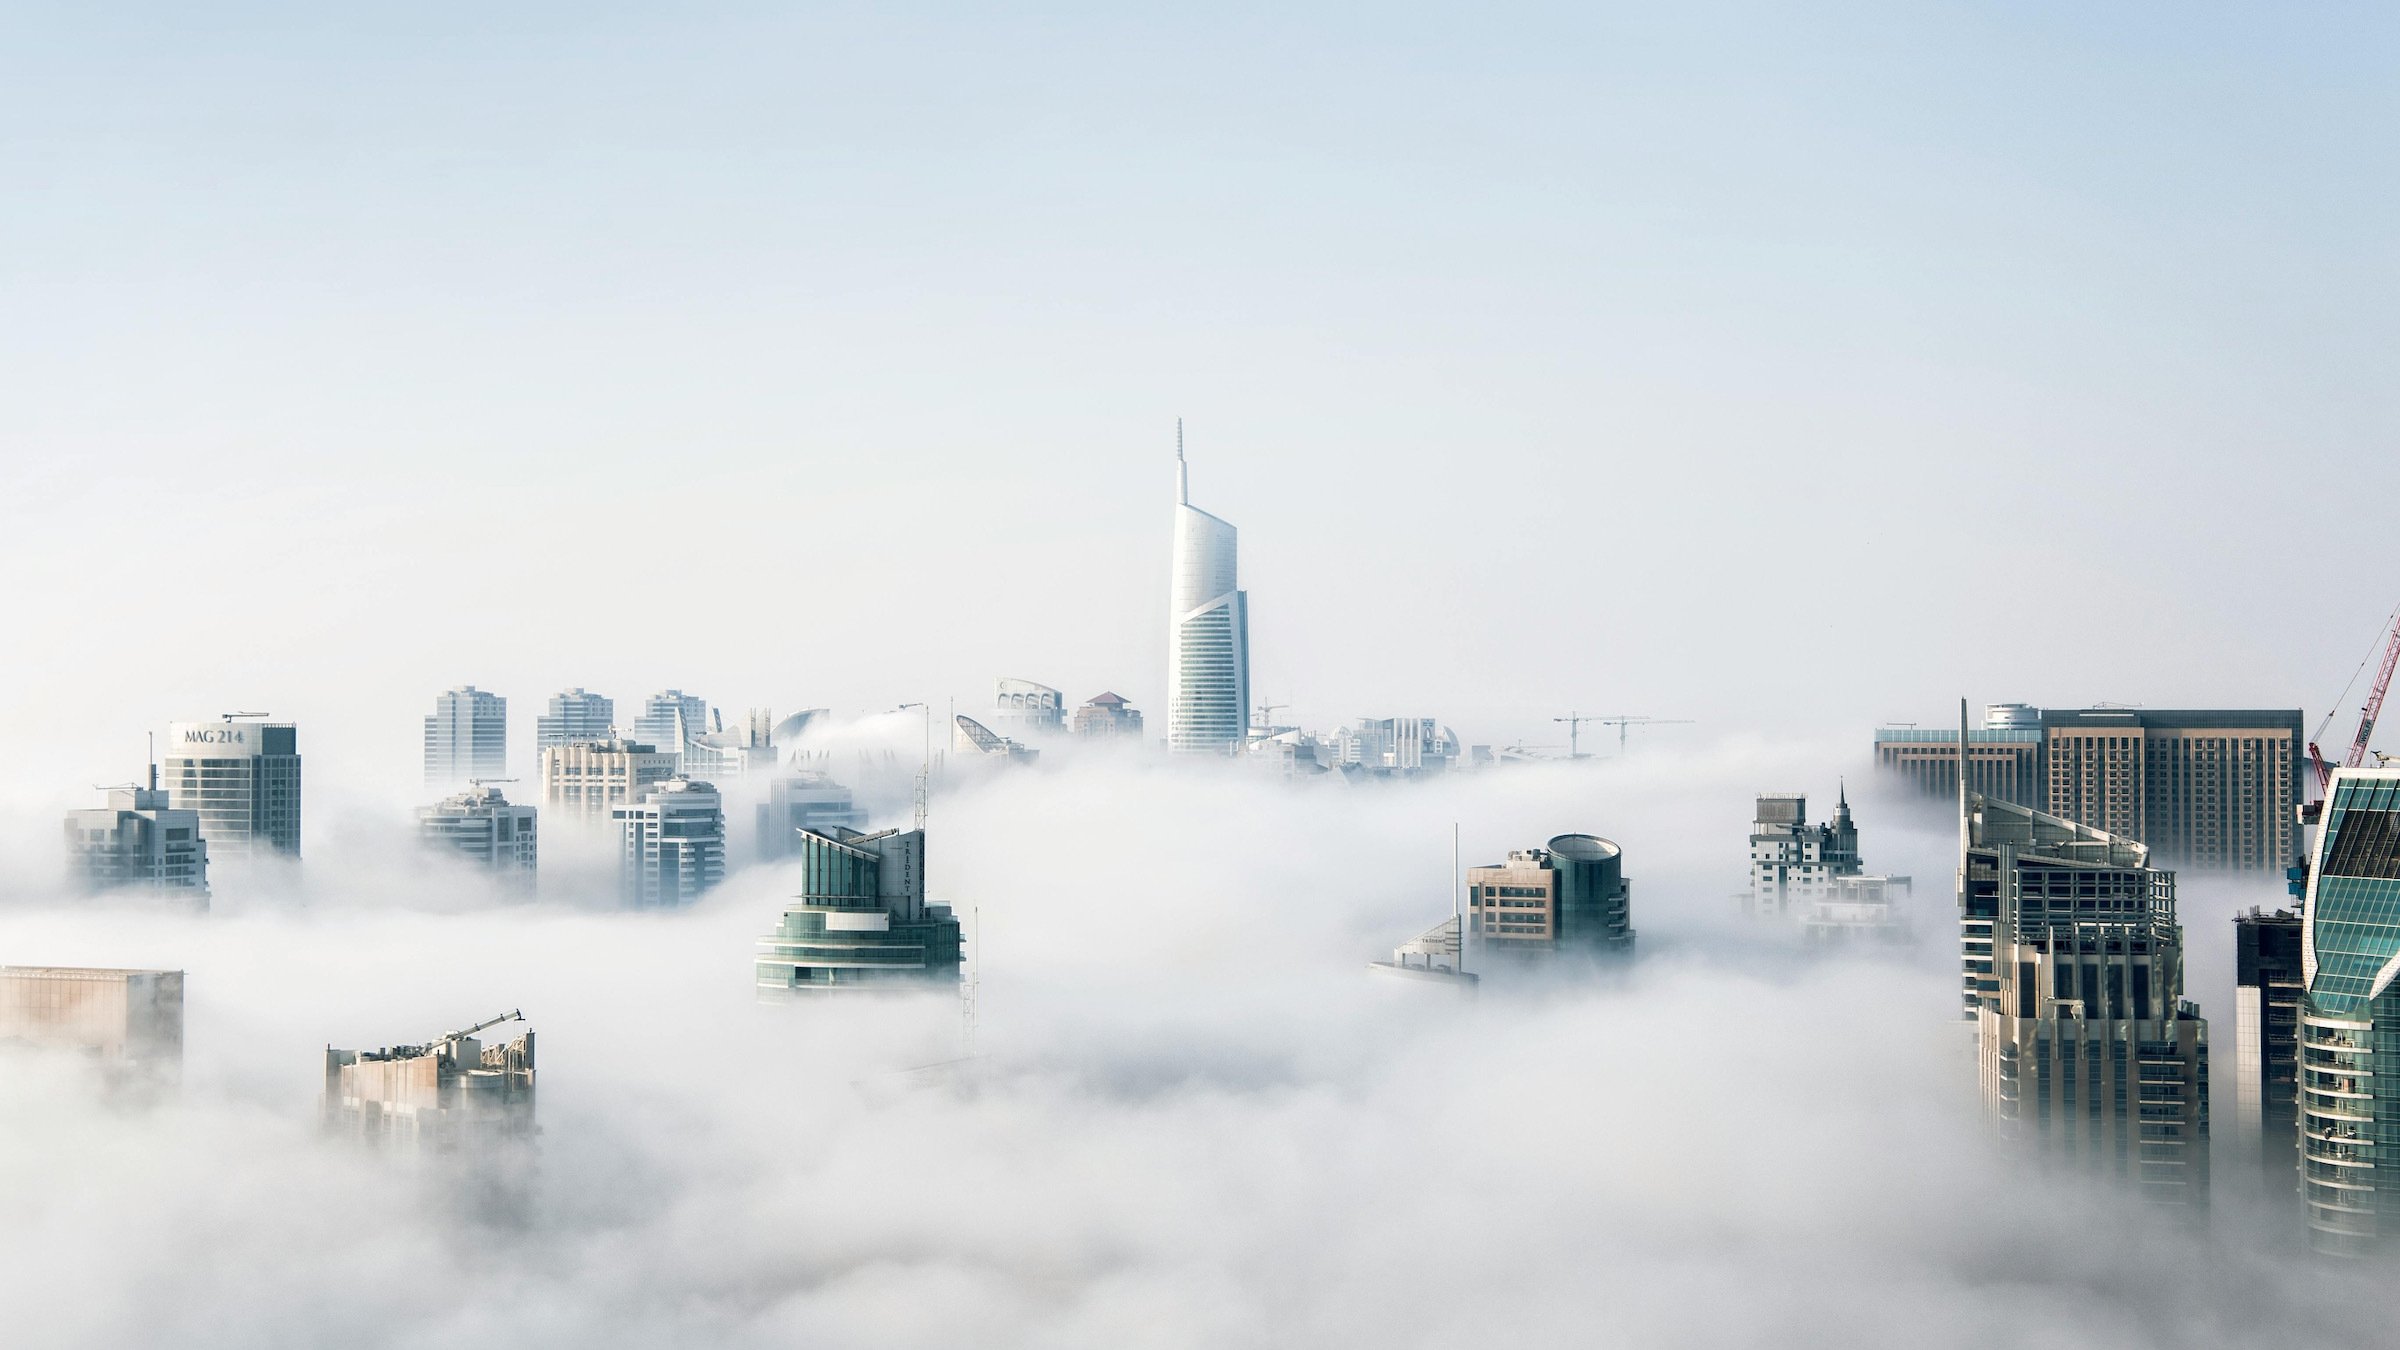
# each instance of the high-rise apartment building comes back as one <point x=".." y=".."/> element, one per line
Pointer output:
<point x="452" y="1096"/>
<point x="2350" y="1020"/>
<point x="243" y="778"/>
<point x="670" y="718"/>
<point x="575" y="718"/>
<point x="861" y="921"/>
<point x="2205" y="789"/>
<point x="2267" y="987"/>
<point x="138" y="842"/>
<point x="1023" y="708"/>
<point x="466" y="737"/>
<point x="131" y="1020"/>
<point x="584" y="781"/>
<point x="671" y="844"/>
<point x="804" y="800"/>
<point x="1793" y="863"/>
<point x="2087" y="1051"/>
<point x="1208" y="638"/>
<point x="1107" y="717"/>
<point x="1569" y="899"/>
<point x="482" y="825"/>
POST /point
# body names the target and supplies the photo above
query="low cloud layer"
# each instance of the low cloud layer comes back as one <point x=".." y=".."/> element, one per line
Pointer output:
<point x="1194" y="1119"/>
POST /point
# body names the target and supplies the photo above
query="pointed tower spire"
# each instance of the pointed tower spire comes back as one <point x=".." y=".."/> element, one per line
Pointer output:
<point x="1183" y="474"/>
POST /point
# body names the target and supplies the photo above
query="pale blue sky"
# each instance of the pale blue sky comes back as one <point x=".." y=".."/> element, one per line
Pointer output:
<point x="1772" y="366"/>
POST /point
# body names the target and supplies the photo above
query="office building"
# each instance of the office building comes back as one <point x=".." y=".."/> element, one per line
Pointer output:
<point x="1390" y="747"/>
<point x="2086" y="1049"/>
<point x="670" y="718"/>
<point x="861" y="921"/>
<point x="2350" y="1020"/>
<point x="243" y="778"/>
<point x="466" y="737"/>
<point x="483" y="826"/>
<point x="1569" y="899"/>
<point x="1208" y="639"/>
<point x="671" y="844"/>
<point x="584" y="781"/>
<point x="971" y="738"/>
<point x="454" y="1095"/>
<point x="138" y="842"/>
<point x="2267" y="987"/>
<point x="1025" y="709"/>
<point x="2212" y="790"/>
<point x="575" y="718"/>
<point x="1108" y="717"/>
<point x="804" y="800"/>
<point x="131" y="1021"/>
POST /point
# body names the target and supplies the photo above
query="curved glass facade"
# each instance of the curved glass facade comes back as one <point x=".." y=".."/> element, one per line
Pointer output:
<point x="1208" y="640"/>
<point x="2350" y="1017"/>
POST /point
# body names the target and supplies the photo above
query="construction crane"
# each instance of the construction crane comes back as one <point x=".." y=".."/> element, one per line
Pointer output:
<point x="2366" y="714"/>
<point x="513" y="1015"/>
<point x="1575" y="721"/>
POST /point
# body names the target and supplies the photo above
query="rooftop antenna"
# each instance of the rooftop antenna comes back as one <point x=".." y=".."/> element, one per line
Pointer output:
<point x="1183" y="473"/>
<point x="153" y="760"/>
<point x="1457" y="914"/>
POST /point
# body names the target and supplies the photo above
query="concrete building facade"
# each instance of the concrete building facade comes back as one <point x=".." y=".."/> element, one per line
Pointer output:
<point x="2206" y="789"/>
<point x="130" y="1020"/>
<point x="483" y="826"/>
<point x="2087" y="1051"/>
<point x="575" y="718"/>
<point x="138" y="842"/>
<point x="584" y="781"/>
<point x="447" y="1096"/>
<point x="671" y="844"/>
<point x="1108" y="717"/>
<point x="1793" y="863"/>
<point x="1568" y="899"/>
<point x="670" y="718"/>
<point x="861" y="921"/>
<point x="1023" y="708"/>
<point x="243" y="778"/>
<point x="466" y="737"/>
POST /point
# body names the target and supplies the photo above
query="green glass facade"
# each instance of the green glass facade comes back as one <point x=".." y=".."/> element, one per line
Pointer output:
<point x="2350" y="1019"/>
<point x="861" y="920"/>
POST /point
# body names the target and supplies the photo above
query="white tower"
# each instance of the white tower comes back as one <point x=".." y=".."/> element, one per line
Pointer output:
<point x="1208" y="630"/>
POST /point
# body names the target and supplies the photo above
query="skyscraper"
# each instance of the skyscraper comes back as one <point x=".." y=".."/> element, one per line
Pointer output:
<point x="670" y="718"/>
<point x="466" y="737"/>
<point x="1569" y="899"/>
<point x="861" y="920"/>
<point x="453" y="1096"/>
<point x="803" y="800"/>
<point x="671" y="844"/>
<point x="1025" y="709"/>
<point x="2085" y="1047"/>
<point x="1208" y="638"/>
<point x="2203" y="788"/>
<point x="575" y="718"/>
<point x="1106" y="717"/>
<point x="1793" y="862"/>
<point x="484" y="826"/>
<point x="243" y="777"/>
<point x="2350" y="1020"/>
<point x="2267" y="988"/>
<point x="131" y="1020"/>
<point x="138" y="842"/>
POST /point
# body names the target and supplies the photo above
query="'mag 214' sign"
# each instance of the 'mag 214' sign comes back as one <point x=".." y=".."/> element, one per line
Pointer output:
<point x="210" y="735"/>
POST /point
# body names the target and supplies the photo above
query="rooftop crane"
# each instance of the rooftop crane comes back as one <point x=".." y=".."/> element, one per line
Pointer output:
<point x="2366" y="714"/>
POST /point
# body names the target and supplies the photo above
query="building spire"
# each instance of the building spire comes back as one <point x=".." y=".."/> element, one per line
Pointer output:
<point x="1183" y="474"/>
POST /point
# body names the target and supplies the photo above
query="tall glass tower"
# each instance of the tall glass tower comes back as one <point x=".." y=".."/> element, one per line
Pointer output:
<point x="1208" y="630"/>
<point x="2350" y="1019"/>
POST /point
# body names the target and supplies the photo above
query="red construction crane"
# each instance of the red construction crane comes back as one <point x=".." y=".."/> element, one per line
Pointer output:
<point x="2366" y="714"/>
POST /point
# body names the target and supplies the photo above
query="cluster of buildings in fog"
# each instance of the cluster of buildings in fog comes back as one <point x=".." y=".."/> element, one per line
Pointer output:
<point x="2072" y="825"/>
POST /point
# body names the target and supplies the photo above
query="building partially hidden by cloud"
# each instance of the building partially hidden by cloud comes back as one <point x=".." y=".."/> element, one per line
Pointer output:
<point x="243" y="776"/>
<point x="138" y="842"/>
<point x="483" y="826"/>
<point x="671" y="844"/>
<point x="861" y="921"/>
<point x="1569" y="899"/>
<point x="1107" y="716"/>
<point x="450" y="1094"/>
<point x="2350" y="1020"/>
<point x="130" y="1021"/>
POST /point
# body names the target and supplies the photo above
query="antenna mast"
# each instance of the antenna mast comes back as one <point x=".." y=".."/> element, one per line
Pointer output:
<point x="1183" y="473"/>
